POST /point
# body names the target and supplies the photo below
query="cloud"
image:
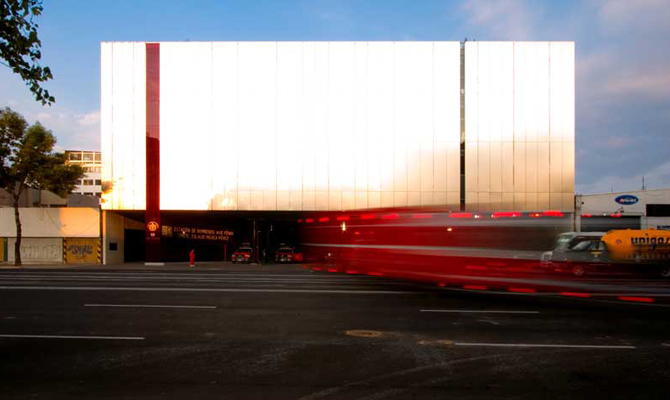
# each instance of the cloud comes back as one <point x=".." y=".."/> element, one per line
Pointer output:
<point x="644" y="83"/>
<point x="90" y="119"/>
<point x="622" y="15"/>
<point x="73" y="130"/>
<point x="655" y="178"/>
<point x="617" y="142"/>
<point x="505" y="19"/>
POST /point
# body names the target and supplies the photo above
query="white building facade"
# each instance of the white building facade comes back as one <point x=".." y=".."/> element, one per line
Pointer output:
<point x="296" y="126"/>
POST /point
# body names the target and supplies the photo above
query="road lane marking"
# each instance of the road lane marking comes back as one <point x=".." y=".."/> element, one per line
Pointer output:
<point x="160" y="289"/>
<point x="483" y="311"/>
<point x="74" y="337"/>
<point x="567" y="346"/>
<point x="145" y="306"/>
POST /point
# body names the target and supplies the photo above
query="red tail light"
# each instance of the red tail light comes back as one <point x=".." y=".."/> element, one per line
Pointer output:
<point x="553" y="213"/>
<point x="506" y="214"/>
<point x="343" y="218"/>
<point x="368" y="216"/>
<point x="309" y="220"/>
<point x="390" y="216"/>
<point x="324" y="219"/>
<point x="460" y="215"/>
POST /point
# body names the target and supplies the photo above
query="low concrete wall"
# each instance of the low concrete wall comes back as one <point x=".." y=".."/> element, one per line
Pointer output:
<point x="37" y="250"/>
<point x="51" y="222"/>
<point x="82" y="251"/>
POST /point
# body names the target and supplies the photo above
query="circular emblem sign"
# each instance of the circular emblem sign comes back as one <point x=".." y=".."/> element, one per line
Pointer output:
<point x="626" y="199"/>
<point x="152" y="226"/>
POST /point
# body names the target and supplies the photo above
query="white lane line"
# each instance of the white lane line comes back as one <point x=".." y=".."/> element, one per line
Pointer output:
<point x="172" y="289"/>
<point x="567" y="346"/>
<point x="145" y="306"/>
<point x="483" y="311"/>
<point x="74" y="337"/>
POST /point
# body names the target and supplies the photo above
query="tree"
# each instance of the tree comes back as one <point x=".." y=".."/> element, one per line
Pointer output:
<point x="20" y="46"/>
<point x="27" y="160"/>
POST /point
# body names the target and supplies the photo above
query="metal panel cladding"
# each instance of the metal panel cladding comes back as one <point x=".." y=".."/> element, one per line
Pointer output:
<point x="519" y="125"/>
<point x="285" y="125"/>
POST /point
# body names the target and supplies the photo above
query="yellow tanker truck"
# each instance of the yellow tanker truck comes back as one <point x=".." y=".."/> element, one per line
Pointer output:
<point x="623" y="250"/>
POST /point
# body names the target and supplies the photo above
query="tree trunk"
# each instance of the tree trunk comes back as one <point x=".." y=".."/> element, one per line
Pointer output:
<point x="17" y="244"/>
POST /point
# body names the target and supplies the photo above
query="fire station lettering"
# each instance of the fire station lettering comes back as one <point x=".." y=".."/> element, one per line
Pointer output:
<point x="182" y="232"/>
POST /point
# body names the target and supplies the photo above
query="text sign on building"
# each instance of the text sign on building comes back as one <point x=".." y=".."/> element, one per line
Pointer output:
<point x="626" y="199"/>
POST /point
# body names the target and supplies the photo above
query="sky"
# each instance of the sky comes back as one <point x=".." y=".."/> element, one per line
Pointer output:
<point x="622" y="60"/>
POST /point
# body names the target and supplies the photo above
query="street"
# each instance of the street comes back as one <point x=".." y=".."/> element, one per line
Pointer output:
<point x="283" y="332"/>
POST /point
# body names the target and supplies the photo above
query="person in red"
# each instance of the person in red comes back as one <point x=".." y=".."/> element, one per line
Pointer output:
<point x="191" y="257"/>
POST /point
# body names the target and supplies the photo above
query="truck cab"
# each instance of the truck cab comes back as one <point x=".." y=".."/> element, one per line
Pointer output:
<point x="575" y="252"/>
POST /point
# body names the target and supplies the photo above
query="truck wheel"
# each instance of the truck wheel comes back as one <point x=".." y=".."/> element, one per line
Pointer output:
<point x="665" y="272"/>
<point x="578" y="271"/>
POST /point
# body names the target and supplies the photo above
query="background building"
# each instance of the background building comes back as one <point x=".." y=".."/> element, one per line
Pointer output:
<point x="638" y="209"/>
<point x="91" y="161"/>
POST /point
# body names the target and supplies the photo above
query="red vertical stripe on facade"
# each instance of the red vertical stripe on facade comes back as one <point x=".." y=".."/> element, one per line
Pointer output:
<point x="152" y="216"/>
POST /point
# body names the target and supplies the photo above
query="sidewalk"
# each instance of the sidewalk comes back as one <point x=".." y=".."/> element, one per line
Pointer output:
<point x="226" y="266"/>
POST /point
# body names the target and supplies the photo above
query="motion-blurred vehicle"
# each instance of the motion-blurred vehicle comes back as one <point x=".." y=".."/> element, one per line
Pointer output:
<point x="624" y="250"/>
<point x="287" y="254"/>
<point x="572" y="252"/>
<point x="243" y="254"/>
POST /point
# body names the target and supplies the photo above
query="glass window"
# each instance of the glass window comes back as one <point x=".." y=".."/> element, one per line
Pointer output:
<point x="98" y="182"/>
<point x="88" y="182"/>
<point x="75" y="156"/>
<point x="582" y="246"/>
<point x="98" y="156"/>
<point x="88" y="156"/>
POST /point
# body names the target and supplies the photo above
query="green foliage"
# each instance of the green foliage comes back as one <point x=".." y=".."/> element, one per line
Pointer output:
<point x="27" y="158"/>
<point x="20" y="46"/>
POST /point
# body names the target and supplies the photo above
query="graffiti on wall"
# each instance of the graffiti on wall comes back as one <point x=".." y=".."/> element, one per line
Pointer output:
<point x="40" y="252"/>
<point x="81" y="251"/>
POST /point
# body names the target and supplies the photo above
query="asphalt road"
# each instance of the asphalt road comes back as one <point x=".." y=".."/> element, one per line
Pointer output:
<point x="281" y="332"/>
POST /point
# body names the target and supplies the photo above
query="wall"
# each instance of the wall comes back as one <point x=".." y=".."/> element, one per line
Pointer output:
<point x="81" y="251"/>
<point x="37" y="250"/>
<point x="520" y="125"/>
<point x="606" y="202"/>
<point x="286" y="125"/>
<point x="342" y="125"/>
<point x="51" y="222"/>
<point x="113" y="226"/>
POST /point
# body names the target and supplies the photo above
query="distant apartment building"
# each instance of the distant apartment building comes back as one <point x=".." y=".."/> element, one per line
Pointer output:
<point x="90" y="184"/>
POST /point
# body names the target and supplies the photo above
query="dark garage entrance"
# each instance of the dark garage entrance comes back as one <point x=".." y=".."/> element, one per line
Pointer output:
<point x="214" y="235"/>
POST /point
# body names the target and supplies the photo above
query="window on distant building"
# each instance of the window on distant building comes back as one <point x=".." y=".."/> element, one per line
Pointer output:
<point x="75" y="156"/>
<point x="98" y="182"/>
<point x="98" y="156"/>
<point x="658" y="210"/>
<point x="88" y="182"/>
<point x="88" y="156"/>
